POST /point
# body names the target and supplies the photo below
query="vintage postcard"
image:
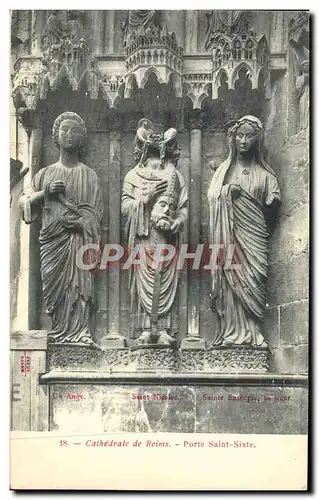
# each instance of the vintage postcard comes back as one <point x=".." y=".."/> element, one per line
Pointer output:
<point x="159" y="215"/>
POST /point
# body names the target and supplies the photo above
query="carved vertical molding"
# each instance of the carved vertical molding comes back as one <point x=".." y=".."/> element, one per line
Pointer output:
<point x="30" y="154"/>
<point x="98" y="31"/>
<point x="114" y="337"/>
<point x="193" y="340"/>
<point x="21" y="320"/>
<point x="37" y="22"/>
<point x="35" y="162"/>
<point x="191" y="31"/>
<point x="110" y="31"/>
<point x="277" y="32"/>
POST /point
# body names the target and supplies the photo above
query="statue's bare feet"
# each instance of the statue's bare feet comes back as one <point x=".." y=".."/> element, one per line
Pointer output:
<point x="144" y="338"/>
<point x="165" y="339"/>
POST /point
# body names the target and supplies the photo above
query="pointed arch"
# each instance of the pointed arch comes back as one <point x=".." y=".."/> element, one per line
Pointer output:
<point x="219" y="76"/>
<point x="236" y="71"/>
<point x="177" y="85"/>
<point x="129" y="85"/>
<point x="148" y="74"/>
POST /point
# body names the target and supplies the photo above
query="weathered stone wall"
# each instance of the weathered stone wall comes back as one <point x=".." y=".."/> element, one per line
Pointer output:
<point x="287" y="317"/>
<point x="179" y="408"/>
<point x="286" y="322"/>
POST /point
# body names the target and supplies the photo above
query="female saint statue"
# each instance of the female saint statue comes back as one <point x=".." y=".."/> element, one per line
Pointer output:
<point x="243" y="198"/>
<point x="67" y="195"/>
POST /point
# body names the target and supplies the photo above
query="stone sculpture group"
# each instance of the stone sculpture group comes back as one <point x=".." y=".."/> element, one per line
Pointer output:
<point x="243" y="200"/>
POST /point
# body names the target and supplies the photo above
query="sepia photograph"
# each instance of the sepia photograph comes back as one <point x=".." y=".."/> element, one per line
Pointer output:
<point x="159" y="228"/>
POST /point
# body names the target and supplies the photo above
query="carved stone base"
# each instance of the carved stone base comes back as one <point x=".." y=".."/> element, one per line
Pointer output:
<point x="159" y="358"/>
<point x="86" y="359"/>
<point x="112" y="340"/>
<point x="193" y="343"/>
<point x="225" y="359"/>
<point x="155" y="357"/>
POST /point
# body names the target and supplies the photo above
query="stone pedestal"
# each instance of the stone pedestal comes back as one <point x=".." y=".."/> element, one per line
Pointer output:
<point x="156" y="389"/>
<point x="193" y="342"/>
<point x="157" y="359"/>
<point x="237" y="359"/>
<point x="112" y="341"/>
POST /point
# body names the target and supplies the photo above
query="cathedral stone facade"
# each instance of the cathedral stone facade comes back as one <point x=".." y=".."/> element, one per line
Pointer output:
<point x="197" y="72"/>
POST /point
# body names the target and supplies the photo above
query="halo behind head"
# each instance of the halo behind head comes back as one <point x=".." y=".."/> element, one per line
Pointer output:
<point x="68" y="115"/>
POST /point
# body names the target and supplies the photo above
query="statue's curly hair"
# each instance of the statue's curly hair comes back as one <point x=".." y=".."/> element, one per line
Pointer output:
<point x="67" y="115"/>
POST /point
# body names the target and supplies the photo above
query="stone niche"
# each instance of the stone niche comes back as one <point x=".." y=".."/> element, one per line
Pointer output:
<point x="196" y="386"/>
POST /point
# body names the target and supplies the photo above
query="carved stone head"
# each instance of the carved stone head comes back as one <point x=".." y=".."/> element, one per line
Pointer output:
<point x="246" y="136"/>
<point x="69" y="131"/>
<point x="164" y="209"/>
<point x="305" y="67"/>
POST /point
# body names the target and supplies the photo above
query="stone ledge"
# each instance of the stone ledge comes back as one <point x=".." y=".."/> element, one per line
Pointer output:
<point x="129" y="378"/>
<point x="28" y="340"/>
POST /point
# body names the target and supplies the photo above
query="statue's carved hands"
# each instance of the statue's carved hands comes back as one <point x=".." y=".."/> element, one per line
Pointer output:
<point x="56" y="187"/>
<point x="148" y="193"/>
<point x="177" y="225"/>
<point x="76" y="225"/>
<point x="235" y="191"/>
<point x="163" y="225"/>
<point x="272" y="199"/>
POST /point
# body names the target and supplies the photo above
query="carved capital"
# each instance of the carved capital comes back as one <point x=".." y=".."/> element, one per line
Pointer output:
<point x="197" y="87"/>
<point x="112" y="87"/>
<point x="115" y="121"/>
<point x="196" y="119"/>
<point x="30" y="118"/>
<point x="26" y="82"/>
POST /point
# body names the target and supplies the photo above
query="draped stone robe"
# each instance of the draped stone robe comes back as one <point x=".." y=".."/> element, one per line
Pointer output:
<point x="141" y="231"/>
<point x="68" y="290"/>
<point x="240" y="293"/>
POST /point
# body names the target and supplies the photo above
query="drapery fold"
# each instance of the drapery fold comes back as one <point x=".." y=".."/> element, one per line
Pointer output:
<point x="239" y="224"/>
<point x="68" y="289"/>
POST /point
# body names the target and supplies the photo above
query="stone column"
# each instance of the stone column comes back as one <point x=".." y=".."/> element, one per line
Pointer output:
<point x="193" y="340"/>
<point x="109" y="31"/>
<point x="98" y="31"/>
<point x="37" y="21"/>
<point x="191" y="31"/>
<point x="277" y="38"/>
<point x="30" y="153"/>
<point x="113" y="337"/>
